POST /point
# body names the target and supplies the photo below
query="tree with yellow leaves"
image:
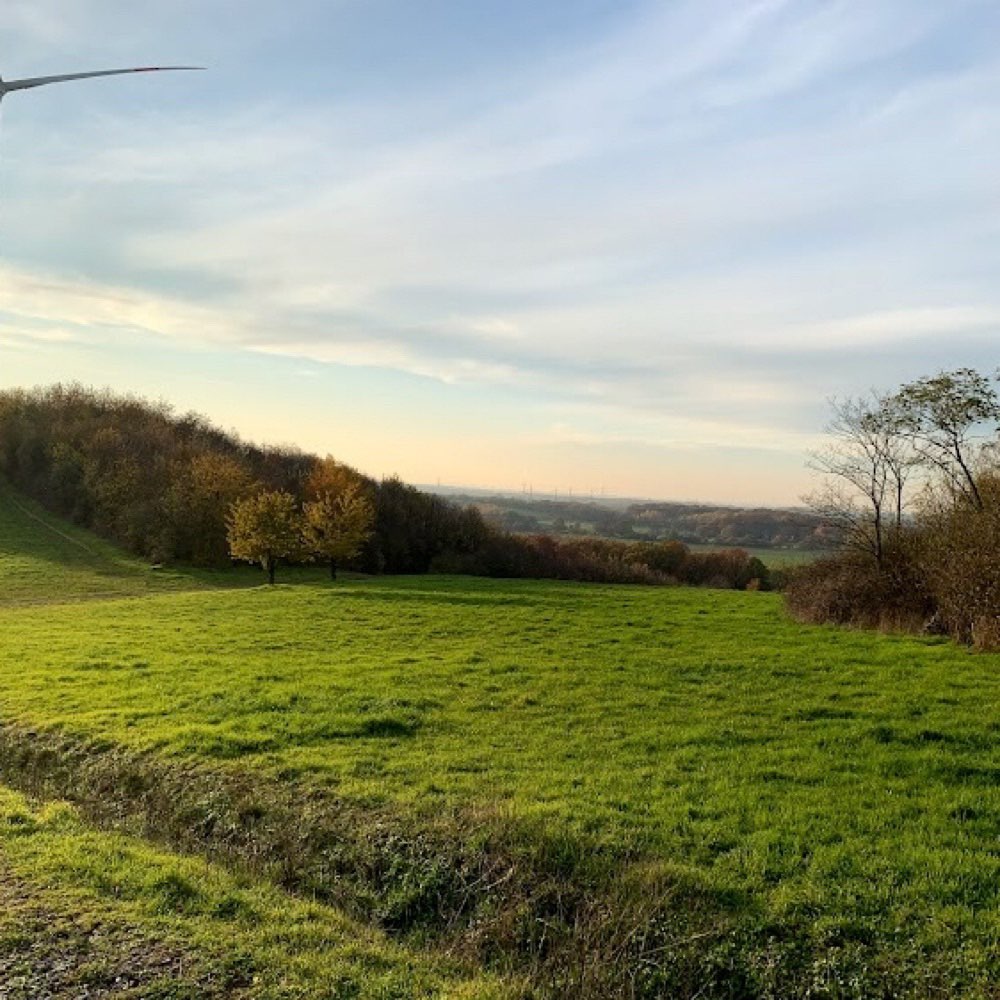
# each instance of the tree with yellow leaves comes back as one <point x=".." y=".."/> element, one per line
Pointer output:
<point x="264" y="528"/>
<point x="329" y="477"/>
<point x="338" y="524"/>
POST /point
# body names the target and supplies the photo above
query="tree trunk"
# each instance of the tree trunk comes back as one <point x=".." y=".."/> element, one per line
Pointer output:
<point x="879" y="547"/>
<point x="271" y="563"/>
<point x="333" y="569"/>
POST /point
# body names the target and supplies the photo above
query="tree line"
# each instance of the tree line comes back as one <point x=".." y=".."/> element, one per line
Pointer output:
<point x="911" y="481"/>
<point x="691" y="523"/>
<point x="173" y="488"/>
<point x="164" y="485"/>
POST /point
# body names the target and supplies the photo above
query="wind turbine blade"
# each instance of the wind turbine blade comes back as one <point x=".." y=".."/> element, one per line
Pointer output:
<point x="42" y="81"/>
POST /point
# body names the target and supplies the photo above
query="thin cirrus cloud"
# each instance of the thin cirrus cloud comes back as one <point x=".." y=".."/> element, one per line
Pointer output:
<point x="686" y="222"/>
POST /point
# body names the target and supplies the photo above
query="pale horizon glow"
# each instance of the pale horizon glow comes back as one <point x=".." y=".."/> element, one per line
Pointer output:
<point x="628" y="248"/>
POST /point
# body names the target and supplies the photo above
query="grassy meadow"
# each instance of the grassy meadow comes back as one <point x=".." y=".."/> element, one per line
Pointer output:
<point x="683" y="784"/>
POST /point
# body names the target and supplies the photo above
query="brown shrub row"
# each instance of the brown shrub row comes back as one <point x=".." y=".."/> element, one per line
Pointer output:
<point x="601" y="560"/>
<point x="940" y="574"/>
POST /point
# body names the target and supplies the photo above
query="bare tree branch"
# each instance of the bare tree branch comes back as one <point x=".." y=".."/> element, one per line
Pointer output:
<point x="867" y="467"/>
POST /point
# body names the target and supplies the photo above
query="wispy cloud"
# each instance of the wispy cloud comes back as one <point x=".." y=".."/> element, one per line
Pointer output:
<point x="717" y="214"/>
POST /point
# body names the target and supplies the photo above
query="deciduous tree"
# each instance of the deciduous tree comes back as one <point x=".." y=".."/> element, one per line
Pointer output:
<point x="265" y="528"/>
<point x="945" y="416"/>
<point x="337" y="525"/>
<point x="866" y="467"/>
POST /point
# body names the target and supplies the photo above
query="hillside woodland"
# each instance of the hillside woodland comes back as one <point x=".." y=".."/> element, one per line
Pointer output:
<point x="167" y="486"/>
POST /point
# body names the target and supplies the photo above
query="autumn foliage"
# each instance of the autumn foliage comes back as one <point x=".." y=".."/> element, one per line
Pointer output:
<point x="265" y="528"/>
<point x="174" y="488"/>
<point x="337" y="524"/>
<point x="163" y="485"/>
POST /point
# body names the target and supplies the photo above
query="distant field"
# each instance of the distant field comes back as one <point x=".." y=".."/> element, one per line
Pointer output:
<point x="825" y="803"/>
<point x="703" y="527"/>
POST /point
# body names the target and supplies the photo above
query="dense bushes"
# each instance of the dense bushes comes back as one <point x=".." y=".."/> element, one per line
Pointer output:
<point x="914" y="485"/>
<point x="849" y="589"/>
<point x="941" y="575"/>
<point x="413" y="529"/>
<point x="959" y="563"/>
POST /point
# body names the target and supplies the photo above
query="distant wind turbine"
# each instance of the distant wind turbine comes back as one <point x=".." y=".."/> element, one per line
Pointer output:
<point x="9" y="86"/>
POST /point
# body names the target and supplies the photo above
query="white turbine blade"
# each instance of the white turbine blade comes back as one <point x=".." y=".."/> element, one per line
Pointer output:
<point x="42" y="81"/>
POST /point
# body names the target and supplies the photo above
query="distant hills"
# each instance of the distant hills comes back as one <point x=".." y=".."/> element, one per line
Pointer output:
<point x="644" y="520"/>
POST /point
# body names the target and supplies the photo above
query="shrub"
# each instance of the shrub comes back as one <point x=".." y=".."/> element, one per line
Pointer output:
<point x="851" y="589"/>
<point x="959" y="552"/>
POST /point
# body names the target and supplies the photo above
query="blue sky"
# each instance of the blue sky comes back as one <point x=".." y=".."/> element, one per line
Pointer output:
<point x="630" y="247"/>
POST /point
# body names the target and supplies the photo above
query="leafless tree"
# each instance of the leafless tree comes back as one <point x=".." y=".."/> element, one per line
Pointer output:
<point x="866" y="470"/>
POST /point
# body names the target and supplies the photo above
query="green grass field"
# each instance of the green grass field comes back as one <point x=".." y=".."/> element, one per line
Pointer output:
<point x="774" y="810"/>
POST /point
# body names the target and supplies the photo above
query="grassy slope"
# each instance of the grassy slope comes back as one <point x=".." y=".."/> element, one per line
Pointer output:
<point x="42" y="559"/>
<point x="839" y="783"/>
<point x="86" y="913"/>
